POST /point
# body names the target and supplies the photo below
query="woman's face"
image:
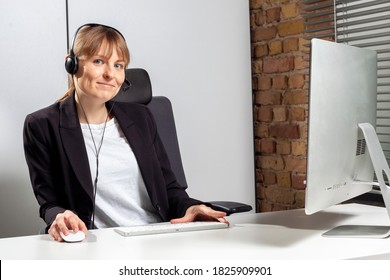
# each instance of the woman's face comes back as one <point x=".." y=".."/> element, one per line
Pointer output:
<point x="100" y="76"/>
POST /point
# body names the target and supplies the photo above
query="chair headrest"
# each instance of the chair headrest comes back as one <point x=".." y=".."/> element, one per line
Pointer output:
<point x="137" y="88"/>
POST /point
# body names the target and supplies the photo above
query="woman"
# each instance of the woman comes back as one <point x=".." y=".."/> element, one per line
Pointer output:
<point x="97" y="163"/>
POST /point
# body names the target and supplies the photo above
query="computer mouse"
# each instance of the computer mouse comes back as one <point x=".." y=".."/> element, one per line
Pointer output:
<point x="73" y="236"/>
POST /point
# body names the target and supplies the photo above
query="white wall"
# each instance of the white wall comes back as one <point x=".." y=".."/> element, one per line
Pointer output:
<point x="197" y="53"/>
<point x="32" y="47"/>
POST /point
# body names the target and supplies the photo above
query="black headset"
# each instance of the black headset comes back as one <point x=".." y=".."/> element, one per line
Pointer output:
<point x="71" y="63"/>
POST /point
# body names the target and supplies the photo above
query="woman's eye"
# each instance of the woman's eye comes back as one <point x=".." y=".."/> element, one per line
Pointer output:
<point x="119" y="66"/>
<point x="98" y="61"/>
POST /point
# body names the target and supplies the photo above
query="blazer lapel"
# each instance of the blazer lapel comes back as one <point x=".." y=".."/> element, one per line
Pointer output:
<point x="74" y="145"/>
<point x="138" y="144"/>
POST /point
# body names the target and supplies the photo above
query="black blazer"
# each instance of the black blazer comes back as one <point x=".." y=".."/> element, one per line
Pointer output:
<point x="58" y="163"/>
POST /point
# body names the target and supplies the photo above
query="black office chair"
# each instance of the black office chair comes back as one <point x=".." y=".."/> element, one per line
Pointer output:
<point x="138" y="89"/>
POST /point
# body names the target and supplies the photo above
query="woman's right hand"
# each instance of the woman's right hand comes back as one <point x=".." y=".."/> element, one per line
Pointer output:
<point x="64" y="222"/>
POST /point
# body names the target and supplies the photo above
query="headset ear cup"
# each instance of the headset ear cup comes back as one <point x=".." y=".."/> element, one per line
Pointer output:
<point x="71" y="64"/>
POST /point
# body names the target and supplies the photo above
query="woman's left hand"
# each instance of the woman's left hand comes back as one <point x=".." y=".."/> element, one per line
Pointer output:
<point x="201" y="213"/>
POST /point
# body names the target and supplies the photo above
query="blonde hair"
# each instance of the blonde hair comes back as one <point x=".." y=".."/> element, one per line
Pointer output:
<point x="88" y="42"/>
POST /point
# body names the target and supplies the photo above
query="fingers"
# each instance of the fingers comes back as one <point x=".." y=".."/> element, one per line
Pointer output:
<point x="185" y="219"/>
<point x="201" y="213"/>
<point x="64" y="222"/>
<point x="55" y="232"/>
<point x="223" y="220"/>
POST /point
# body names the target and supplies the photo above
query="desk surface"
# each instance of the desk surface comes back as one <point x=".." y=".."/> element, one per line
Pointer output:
<point x="283" y="235"/>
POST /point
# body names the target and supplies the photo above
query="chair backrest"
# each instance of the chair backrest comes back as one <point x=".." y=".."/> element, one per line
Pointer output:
<point x="137" y="87"/>
<point x="139" y="90"/>
<point x="161" y="108"/>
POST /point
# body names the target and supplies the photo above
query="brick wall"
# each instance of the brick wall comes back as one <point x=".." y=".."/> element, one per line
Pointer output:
<point x="280" y="102"/>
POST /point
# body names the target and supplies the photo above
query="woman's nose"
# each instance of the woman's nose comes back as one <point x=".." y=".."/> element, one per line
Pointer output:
<point x="108" y="72"/>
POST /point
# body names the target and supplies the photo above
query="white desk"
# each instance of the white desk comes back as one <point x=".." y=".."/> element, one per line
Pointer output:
<point x="283" y="235"/>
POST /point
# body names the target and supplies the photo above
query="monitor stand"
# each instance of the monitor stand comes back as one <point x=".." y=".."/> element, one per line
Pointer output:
<point x="381" y="168"/>
<point x="359" y="231"/>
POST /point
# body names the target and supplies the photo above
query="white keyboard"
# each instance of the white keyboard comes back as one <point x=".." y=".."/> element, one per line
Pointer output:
<point x="168" y="228"/>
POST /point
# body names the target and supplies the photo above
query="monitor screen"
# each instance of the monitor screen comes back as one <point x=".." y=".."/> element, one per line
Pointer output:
<point x="343" y="94"/>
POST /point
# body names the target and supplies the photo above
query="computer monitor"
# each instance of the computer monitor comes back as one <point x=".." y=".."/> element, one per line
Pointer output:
<point x="343" y="148"/>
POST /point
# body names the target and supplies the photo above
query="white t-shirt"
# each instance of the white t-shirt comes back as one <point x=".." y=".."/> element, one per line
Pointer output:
<point x="121" y="197"/>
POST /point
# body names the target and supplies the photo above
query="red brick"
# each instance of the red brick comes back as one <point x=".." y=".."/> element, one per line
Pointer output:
<point x="304" y="44"/>
<point x="267" y="98"/>
<point x="270" y="162"/>
<point x="262" y="130"/>
<point x="264" y="33"/>
<point x="278" y="2"/>
<point x="298" y="182"/>
<point x="265" y="206"/>
<point x="290" y="11"/>
<point x="264" y="114"/>
<point x="296" y="81"/>
<point x="283" y="179"/>
<point x="257" y="67"/>
<point x="260" y="18"/>
<point x="300" y="63"/>
<point x="290" y="131"/>
<point x="283" y="147"/>
<point x="269" y="178"/>
<point x="291" y="28"/>
<point x="261" y="50"/>
<point x="297" y="114"/>
<point x="295" y="164"/>
<point x="290" y="44"/>
<point x="264" y="83"/>
<point x="303" y="130"/>
<point x="299" y="199"/>
<point x="296" y="97"/>
<point x="275" y="47"/>
<point x="299" y="148"/>
<point x="278" y="65"/>
<point x="273" y="15"/>
<point x="280" y="196"/>
<point x="256" y="4"/>
<point x="280" y="114"/>
<point x="267" y="146"/>
<point x="279" y="82"/>
<point x="255" y="83"/>
<point x="257" y="145"/>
